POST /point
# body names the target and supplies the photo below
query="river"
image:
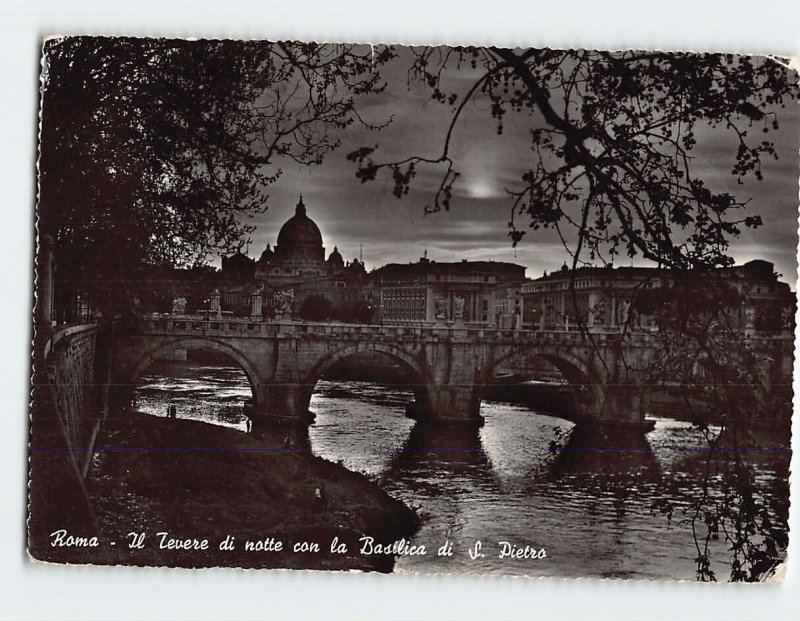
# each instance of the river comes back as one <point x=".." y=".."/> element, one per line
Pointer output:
<point x="592" y="511"/>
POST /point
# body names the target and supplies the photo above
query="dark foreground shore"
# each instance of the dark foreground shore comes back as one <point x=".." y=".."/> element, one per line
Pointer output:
<point x="195" y="481"/>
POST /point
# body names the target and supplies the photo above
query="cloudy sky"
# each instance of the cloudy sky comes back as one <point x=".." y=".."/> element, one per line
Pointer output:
<point x="351" y="214"/>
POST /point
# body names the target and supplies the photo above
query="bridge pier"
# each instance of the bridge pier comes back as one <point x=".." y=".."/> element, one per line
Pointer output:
<point x="616" y="405"/>
<point x="283" y="402"/>
<point x="448" y="405"/>
<point x="289" y="403"/>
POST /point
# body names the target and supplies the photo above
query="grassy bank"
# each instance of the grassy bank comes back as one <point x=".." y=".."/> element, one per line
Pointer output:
<point x="199" y="481"/>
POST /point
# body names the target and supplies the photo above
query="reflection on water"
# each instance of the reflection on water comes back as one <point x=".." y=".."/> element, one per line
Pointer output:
<point x="213" y="394"/>
<point x="589" y="506"/>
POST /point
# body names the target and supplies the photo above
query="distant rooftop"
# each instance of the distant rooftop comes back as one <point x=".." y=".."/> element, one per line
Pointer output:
<point x="756" y="269"/>
<point x="425" y="266"/>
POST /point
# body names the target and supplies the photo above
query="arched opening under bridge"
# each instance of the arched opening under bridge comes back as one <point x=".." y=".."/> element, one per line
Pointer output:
<point x="555" y="383"/>
<point x="201" y="379"/>
<point x="359" y="399"/>
<point x="529" y="405"/>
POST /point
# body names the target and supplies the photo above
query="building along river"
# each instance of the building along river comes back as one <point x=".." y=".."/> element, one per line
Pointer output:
<point x="597" y="513"/>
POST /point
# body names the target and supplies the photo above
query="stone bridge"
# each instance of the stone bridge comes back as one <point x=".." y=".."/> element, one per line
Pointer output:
<point x="451" y="364"/>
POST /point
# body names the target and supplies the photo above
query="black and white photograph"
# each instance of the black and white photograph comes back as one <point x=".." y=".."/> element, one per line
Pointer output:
<point x="451" y="310"/>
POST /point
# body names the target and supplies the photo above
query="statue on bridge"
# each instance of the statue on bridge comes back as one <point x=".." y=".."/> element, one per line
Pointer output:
<point x="624" y="314"/>
<point x="441" y="308"/>
<point x="178" y="306"/>
<point x="283" y="301"/>
<point x="597" y="313"/>
<point x="458" y="308"/>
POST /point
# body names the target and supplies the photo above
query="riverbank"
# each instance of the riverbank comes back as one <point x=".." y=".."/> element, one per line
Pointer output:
<point x="199" y="481"/>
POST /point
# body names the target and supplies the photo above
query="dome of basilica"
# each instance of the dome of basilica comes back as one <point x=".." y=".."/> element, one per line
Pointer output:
<point x="299" y="230"/>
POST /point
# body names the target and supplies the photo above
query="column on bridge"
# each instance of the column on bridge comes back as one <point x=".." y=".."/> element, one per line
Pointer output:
<point x="256" y="305"/>
<point x="215" y="304"/>
<point x="591" y="308"/>
<point x="543" y="315"/>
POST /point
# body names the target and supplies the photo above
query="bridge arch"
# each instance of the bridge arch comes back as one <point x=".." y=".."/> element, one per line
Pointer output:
<point x="581" y="375"/>
<point x="418" y="367"/>
<point x="573" y="368"/>
<point x="156" y="351"/>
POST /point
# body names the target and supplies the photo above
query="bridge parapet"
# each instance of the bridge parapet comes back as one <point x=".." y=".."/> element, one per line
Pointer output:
<point x="432" y="332"/>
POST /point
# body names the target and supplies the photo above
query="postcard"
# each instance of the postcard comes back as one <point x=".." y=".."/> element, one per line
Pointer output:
<point x="442" y="310"/>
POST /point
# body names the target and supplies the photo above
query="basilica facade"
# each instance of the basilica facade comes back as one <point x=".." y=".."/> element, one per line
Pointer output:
<point x="296" y="266"/>
<point x="299" y="254"/>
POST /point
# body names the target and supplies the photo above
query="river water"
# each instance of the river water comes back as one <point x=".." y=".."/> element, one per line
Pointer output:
<point x="593" y="511"/>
